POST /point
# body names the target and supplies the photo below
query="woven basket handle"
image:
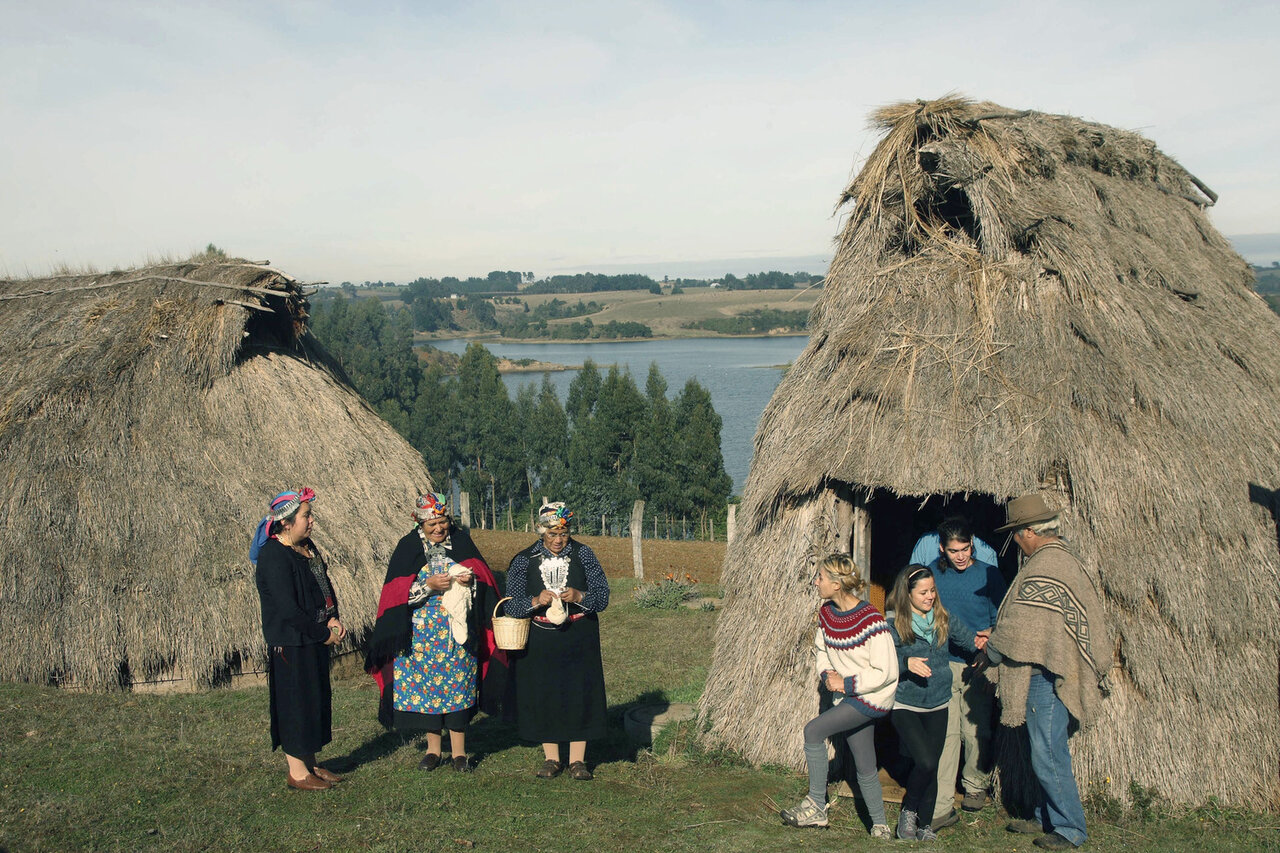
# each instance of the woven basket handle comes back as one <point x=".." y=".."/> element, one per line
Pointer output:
<point x="499" y="604"/>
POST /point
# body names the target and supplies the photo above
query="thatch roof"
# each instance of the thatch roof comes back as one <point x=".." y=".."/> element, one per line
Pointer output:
<point x="1024" y="301"/>
<point x="146" y="417"/>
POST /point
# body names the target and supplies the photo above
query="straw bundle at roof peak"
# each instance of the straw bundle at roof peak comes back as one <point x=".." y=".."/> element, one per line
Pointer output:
<point x="146" y="416"/>
<point x="1022" y="301"/>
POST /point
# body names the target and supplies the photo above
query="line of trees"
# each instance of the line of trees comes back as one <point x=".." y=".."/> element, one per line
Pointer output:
<point x="609" y="444"/>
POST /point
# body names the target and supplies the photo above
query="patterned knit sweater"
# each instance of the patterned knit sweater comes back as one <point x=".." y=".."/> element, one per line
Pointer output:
<point x="857" y="644"/>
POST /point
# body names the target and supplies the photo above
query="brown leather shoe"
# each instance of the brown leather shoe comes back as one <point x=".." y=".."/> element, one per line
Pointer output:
<point x="326" y="774"/>
<point x="578" y="770"/>
<point x="550" y="769"/>
<point x="430" y="761"/>
<point x="310" y="782"/>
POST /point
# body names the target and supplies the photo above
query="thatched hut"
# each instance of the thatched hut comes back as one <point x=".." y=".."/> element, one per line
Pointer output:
<point x="1020" y="302"/>
<point x="145" y="419"/>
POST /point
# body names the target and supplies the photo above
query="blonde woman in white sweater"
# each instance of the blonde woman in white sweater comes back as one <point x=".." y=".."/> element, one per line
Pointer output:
<point x="857" y="662"/>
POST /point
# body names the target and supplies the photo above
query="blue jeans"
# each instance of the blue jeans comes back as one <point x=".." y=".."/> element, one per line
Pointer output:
<point x="1059" y="807"/>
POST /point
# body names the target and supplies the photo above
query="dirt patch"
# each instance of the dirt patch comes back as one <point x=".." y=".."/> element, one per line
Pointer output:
<point x="699" y="560"/>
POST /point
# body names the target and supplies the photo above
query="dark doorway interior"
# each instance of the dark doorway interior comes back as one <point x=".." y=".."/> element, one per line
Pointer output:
<point x="897" y="522"/>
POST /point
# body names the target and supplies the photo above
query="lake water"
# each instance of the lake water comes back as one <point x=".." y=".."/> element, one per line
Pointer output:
<point x="740" y="373"/>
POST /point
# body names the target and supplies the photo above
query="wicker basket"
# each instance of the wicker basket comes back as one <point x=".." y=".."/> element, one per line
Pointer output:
<point x="509" y="632"/>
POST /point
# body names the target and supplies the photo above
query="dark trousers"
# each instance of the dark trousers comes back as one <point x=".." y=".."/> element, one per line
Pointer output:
<point x="921" y="734"/>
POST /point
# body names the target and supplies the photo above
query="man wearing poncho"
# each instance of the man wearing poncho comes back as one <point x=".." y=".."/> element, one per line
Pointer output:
<point x="1053" y="653"/>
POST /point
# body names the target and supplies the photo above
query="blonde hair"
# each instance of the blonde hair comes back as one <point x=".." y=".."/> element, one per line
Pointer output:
<point x="843" y="570"/>
<point x="900" y="604"/>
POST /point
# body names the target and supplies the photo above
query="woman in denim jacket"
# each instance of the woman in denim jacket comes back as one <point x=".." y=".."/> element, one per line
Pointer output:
<point x="921" y="628"/>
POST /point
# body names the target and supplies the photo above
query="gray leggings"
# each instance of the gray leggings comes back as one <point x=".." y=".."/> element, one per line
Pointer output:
<point x="861" y="738"/>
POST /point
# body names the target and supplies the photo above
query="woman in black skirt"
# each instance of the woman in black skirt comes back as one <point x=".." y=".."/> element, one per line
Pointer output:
<point x="560" y="679"/>
<point x="300" y="623"/>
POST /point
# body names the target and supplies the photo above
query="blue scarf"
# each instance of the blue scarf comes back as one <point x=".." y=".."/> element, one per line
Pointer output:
<point x="922" y="626"/>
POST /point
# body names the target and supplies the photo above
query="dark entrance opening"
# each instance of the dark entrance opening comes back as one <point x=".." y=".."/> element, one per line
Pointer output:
<point x="898" y="521"/>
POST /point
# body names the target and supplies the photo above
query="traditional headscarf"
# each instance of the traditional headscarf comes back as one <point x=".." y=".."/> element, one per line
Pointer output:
<point x="430" y="505"/>
<point x="554" y="516"/>
<point x="282" y="505"/>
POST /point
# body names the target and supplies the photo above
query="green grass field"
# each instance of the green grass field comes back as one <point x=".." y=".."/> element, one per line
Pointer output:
<point x="667" y="314"/>
<point x="194" y="772"/>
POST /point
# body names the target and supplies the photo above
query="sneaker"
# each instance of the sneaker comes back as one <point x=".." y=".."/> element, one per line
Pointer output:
<point x="807" y="813"/>
<point x="882" y="832"/>
<point x="1026" y="827"/>
<point x="907" y="825"/>
<point x="926" y="833"/>
<point x="976" y="801"/>
<point x="952" y="818"/>
<point x="1053" y="841"/>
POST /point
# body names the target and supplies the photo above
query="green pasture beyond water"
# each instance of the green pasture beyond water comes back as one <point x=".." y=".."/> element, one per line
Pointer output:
<point x="194" y="772"/>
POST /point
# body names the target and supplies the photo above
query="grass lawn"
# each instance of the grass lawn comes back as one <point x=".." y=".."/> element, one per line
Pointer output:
<point x="194" y="772"/>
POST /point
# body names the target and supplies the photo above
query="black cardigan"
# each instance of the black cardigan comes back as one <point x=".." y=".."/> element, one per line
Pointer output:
<point x="293" y="604"/>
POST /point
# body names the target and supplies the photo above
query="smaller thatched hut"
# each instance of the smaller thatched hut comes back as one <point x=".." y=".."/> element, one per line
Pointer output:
<point x="146" y="417"/>
<point x="1022" y="301"/>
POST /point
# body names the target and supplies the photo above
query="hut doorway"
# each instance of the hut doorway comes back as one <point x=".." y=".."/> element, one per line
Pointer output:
<point x="885" y="527"/>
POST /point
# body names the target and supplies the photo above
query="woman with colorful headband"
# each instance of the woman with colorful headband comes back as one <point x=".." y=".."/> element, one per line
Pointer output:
<point x="432" y="645"/>
<point x="560" y="680"/>
<point x="300" y="623"/>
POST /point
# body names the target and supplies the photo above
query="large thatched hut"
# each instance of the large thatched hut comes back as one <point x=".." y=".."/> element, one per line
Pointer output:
<point x="1019" y="302"/>
<point x="145" y="419"/>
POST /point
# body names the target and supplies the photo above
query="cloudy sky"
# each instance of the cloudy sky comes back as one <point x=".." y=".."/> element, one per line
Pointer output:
<point x="387" y="141"/>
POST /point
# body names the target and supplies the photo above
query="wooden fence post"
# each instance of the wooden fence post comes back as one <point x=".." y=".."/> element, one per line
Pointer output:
<point x="637" y="525"/>
<point x="731" y="521"/>
<point x="465" y="500"/>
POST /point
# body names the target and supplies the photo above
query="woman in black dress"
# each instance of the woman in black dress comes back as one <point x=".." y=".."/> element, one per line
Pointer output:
<point x="300" y="623"/>
<point x="560" y="679"/>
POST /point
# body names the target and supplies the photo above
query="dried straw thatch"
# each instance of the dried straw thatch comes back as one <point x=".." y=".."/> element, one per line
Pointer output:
<point x="145" y="419"/>
<point x="1023" y="301"/>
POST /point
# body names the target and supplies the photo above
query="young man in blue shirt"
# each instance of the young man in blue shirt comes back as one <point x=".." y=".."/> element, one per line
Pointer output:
<point x="972" y="590"/>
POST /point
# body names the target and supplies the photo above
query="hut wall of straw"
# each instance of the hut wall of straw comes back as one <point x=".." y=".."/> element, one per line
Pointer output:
<point x="1022" y="301"/>
<point x="146" y="417"/>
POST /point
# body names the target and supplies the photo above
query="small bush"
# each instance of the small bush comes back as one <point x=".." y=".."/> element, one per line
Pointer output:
<point x="667" y="594"/>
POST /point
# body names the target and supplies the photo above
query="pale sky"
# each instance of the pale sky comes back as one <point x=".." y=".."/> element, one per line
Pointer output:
<point x="388" y="141"/>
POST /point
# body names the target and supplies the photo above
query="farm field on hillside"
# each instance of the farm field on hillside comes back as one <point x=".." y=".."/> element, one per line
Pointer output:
<point x="666" y="314"/>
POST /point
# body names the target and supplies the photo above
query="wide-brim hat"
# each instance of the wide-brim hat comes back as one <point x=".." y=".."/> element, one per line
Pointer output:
<point x="1026" y="510"/>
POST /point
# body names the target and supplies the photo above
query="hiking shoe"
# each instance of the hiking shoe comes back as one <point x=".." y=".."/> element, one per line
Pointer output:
<point x="807" y="813"/>
<point x="975" y="802"/>
<point x="882" y="832"/>
<point x="952" y="818"/>
<point x="907" y="825"/>
<point x="1026" y="827"/>
<point x="1053" y="841"/>
<point x="926" y="833"/>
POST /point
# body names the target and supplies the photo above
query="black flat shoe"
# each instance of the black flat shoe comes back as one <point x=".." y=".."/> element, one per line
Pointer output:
<point x="430" y="761"/>
<point x="461" y="764"/>
<point x="550" y="769"/>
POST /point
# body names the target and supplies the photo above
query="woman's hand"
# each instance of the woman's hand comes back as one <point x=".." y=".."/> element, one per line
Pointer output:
<point x="833" y="681"/>
<point x="463" y="578"/>
<point x="544" y="598"/>
<point x="440" y="582"/>
<point x="337" y="633"/>
<point x="919" y="667"/>
<point x="980" y="639"/>
<point x="571" y="595"/>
